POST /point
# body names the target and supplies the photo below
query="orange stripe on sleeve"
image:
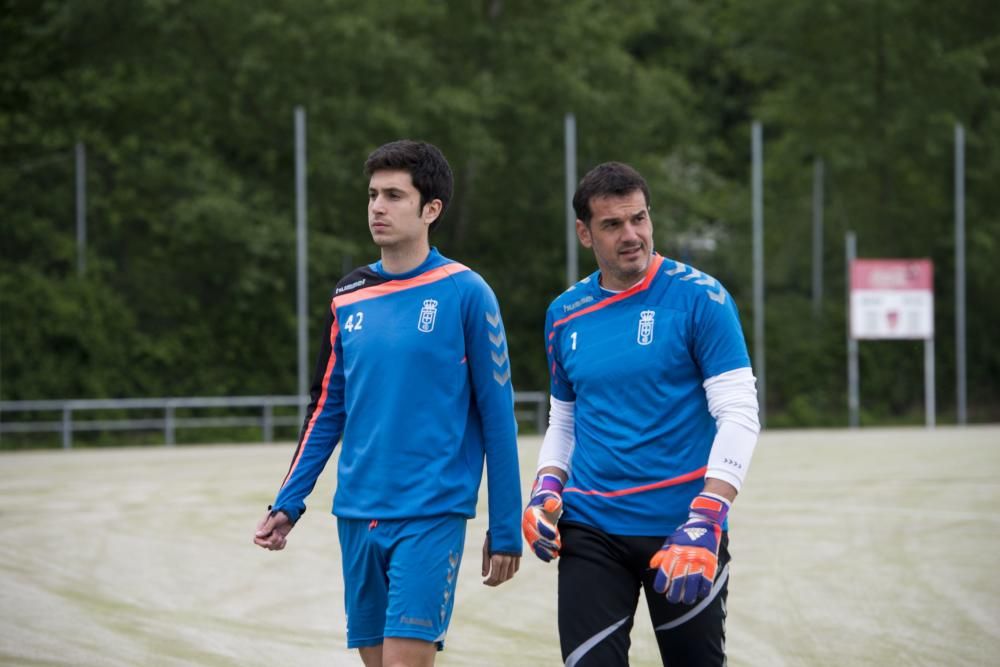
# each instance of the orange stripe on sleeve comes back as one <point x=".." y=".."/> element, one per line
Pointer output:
<point x="331" y="362"/>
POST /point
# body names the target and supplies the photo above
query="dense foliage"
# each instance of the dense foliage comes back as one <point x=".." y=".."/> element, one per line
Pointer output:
<point x="186" y="112"/>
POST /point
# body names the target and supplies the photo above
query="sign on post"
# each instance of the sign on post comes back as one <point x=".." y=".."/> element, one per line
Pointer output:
<point x="892" y="299"/>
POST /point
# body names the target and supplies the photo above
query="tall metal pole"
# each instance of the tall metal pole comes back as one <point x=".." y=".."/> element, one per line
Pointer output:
<point x="853" y="392"/>
<point x="960" y="379"/>
<point x="817" y="273"/>
<point x="758" y="267"/>
<point x="300" y="252"/>
<point x="81" y="209"/>
<point x="571" y="241"/>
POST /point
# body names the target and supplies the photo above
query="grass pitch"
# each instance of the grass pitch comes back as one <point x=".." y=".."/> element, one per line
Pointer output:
<point x="870" y="547"/>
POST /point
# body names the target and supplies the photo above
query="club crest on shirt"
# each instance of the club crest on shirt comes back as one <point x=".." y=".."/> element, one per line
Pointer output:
<point x="427" y="316"/>
<point x="645" y="336"/>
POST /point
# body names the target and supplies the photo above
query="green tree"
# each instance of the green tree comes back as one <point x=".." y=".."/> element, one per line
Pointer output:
<point x="186" y="112"/>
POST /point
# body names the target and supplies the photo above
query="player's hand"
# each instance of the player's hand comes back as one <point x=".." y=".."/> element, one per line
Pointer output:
<point x="498" y="568"/>
<point x="686" y="563"/>
<point x="540" y="522"/>
<point x="272" y="531"/>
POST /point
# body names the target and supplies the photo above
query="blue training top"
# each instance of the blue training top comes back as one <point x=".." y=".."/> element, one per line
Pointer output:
<point x="414" y="373"/>
<point x="634" y="363"/>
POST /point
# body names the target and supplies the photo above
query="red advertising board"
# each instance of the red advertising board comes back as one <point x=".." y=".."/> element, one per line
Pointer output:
<point x="892" y="298"/>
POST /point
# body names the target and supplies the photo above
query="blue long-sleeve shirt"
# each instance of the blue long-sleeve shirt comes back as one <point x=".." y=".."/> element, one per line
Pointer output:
<point x="413" y="372"/>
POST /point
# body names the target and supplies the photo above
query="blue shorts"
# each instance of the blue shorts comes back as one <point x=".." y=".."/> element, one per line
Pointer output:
<point x="400" y="577"/>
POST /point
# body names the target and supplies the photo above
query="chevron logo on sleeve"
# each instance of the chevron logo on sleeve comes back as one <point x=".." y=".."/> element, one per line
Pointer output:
<point x="679" y="267"/>
<point x="500" y="374"/>
<point x="699" y="278"/>
<point x="695" y="273"/>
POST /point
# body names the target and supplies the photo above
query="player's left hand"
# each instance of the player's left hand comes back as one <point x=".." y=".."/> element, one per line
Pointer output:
<point x="687" y="562"/>
<point x="272" y="531"/>
<point x="498" y="568"/>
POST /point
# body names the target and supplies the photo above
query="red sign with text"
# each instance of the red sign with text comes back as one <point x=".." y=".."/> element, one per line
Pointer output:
<point x="892" y="298"/>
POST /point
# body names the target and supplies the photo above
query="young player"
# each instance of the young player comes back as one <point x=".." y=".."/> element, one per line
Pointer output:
<point x="413" y="372"/>
<point x="653" y="421"/>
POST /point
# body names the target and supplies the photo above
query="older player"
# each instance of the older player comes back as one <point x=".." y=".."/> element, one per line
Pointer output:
<point x="653" y="421"/>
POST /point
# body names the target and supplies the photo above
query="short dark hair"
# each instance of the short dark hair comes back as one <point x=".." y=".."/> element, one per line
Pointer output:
<point x="427" y="166"/>
<point x="611" y="179"/>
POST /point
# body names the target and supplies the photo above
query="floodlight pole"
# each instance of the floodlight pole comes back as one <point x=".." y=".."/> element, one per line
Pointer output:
<point x="960" y="369"/>
<point x="81" y="208"/>
<point x="817" y="267"/>
<point x="853" y="392"/>
<point x="570" y="143"/>
<point x="301" y="255"/>
<point x="758" y="268"/>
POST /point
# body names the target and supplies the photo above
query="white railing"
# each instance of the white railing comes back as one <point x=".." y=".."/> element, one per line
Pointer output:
<point x="67" y="424"/>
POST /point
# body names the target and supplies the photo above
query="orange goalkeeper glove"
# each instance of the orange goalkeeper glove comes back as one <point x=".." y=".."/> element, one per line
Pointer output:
<point x="687" y="561"/>
<point x="541" y="517"/>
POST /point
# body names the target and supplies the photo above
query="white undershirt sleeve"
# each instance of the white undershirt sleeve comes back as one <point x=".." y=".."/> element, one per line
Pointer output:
<point x="560" y="437"/>
<point x="732" y="401"/>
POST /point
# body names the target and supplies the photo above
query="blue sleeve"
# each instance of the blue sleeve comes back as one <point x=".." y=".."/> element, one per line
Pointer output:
<point x="717" y="336"/>
<point x="489" y="369"/>
<point x="323" y="425"/>
<point x="559" y="385"/>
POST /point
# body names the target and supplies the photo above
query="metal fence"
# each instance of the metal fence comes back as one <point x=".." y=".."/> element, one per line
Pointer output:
<point x="528" y="405"/>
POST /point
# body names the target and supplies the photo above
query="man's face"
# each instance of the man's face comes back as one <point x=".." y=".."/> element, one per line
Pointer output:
<point x="621" y="235"/>
<point x="395" y="217"/>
